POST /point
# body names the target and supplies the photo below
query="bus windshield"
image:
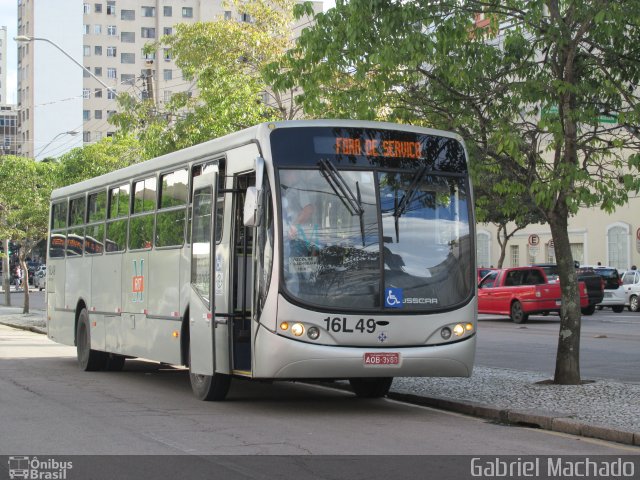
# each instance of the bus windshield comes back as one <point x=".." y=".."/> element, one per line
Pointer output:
<point x="375" y="239"/>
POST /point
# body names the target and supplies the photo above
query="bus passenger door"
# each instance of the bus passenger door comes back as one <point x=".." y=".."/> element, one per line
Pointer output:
<point x="209" y="341"/>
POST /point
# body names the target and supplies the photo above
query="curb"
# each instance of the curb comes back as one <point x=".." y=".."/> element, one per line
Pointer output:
<point x="533" y="418"/>
<point x="556" y="422"/>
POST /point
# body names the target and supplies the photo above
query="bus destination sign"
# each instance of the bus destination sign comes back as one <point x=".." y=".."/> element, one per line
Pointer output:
<point x="378" y="148"/>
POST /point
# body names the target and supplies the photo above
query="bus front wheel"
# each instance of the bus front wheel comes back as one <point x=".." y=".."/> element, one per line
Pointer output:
<point x="89" y="360"/>
<point x="209" y="387"/>
<point x="371" y="387"/>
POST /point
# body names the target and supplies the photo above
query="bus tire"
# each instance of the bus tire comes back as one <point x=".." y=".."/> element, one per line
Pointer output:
<point x="517" y="314"/>
<point x="89" y="360"/>
<point x="114" y="362"/>
<point x="371" y="387"/>
<point x="209" y="387"/>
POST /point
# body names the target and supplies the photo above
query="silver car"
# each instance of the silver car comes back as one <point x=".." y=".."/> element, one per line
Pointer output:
<point x="631" y="285"/>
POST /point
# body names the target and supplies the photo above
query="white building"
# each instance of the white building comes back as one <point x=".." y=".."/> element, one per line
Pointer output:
<point x="57" y="97"/>
<point x="3" y="65"/>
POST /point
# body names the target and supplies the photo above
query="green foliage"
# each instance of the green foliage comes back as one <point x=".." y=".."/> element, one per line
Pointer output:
<point x="105" y="156"/>
<point x="25" y="188"/>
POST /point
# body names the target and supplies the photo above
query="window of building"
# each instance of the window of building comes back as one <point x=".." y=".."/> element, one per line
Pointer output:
<point x="167" y="74"/>
<point x="618" y="246"/>
<point x="86" y="136"/>
<point x="97" y="29"/>
<point x="514" y="251"/>
<point x="86" y="8"/>
<point x="86" y="50"/>
<point x="112" y="73"/>
<point x="110" y="113"/>
<point x="167" y="30"/>
<point x="98" y="8"/>
<point x="577" y="251"/>
<point x="86" y="93"/>
<point x="86" y="115"/>
<point x="97" y="93"/>
<point x="85" y="72"/>
<point x="127" y="14"/>
<point x="97" y="50"/>
<point x="167" y="96"/>
<point x="148" y="11"/>
<point x="97" y="71"/>
<point x="127" y="58"/>
<point x="146" y="32"/>
<point x="166" y="54"/>
<point x="111" y="7"/>
<point x="246" y="17"/>
<point x="483" y="253"/>
<point x="111" y="94"/>
<point x="167" y="11"/>
<point x="227" y="14"/>
<point x="148" y="55"/>
<point x="111" y="51"/>
<point x="112" y="31"/>
<point x="128" y="37"/>
<point x="85" y="29"/>
<point x="128" y="78"/>
<point x="187" y="12"/>
<point x="97" y="114"/>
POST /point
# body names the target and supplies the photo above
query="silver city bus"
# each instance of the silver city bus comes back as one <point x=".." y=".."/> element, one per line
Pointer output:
<point x="293" y="250"/>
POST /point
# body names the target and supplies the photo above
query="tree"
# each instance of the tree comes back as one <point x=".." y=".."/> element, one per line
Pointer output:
<point x="105" y="156"/>
<point x="24" y="206"/>
<point x="224" y="60"/>
<point x="546" y="91"/>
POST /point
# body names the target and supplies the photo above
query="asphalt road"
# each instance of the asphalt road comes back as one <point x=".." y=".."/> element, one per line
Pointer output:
<point x="49" y="405"/>
<point x="609" y="344"/>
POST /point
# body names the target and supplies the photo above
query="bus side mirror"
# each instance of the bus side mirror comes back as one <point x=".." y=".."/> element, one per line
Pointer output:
<point x="250" y="217"/>
<point x="253" y="198"/>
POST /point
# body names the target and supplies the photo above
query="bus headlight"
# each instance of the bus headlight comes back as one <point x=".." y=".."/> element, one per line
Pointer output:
<point x="284" y="326"/>
<point x="297" y="329"/>
<point x="458" y="330"/>
<point x="313" y="333"/>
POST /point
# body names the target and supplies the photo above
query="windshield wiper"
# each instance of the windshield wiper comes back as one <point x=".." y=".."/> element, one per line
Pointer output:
<point x="342" y="190"/>
<point x="400" y="208"/>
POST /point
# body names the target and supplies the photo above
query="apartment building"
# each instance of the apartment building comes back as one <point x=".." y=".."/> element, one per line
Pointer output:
<point x="3" y="65"/>
<point x="108" y="38"/>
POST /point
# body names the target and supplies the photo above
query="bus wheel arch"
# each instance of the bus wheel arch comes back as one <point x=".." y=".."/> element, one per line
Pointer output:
<point x="185" y="339"/>
<point x="79" y="307"/>
<point x="89" y="360"/>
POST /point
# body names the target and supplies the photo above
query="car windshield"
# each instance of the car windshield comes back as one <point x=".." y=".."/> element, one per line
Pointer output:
<point x="375" y="240"/>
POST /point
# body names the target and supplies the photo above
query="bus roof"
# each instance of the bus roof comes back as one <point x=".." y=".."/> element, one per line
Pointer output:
<point x="215" y="146"/>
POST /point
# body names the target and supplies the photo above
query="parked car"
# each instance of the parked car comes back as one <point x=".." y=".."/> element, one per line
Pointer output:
<point x="593" y="282"/>
<point x="40" y="278"/>
<point x="520" y="292"/>
<point x="614" y="296"/>
<point x="483" y="271"/>
<point x="631" y="286"/>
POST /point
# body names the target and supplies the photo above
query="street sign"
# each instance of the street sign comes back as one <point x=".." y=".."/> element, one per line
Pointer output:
<point x="534" y="240"/>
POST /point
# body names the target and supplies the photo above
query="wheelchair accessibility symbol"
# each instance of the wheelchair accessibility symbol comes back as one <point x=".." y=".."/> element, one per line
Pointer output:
<point x="393" y="298"/>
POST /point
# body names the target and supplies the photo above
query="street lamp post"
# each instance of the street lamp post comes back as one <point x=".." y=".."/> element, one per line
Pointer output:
<point x="27" y="39"/>
<point x="71" y="132"/>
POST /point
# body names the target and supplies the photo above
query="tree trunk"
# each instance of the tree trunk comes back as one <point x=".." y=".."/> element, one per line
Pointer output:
<point x="568" y="356"/>
<point x="25" y="283"/>
<point x="6" y="275"/>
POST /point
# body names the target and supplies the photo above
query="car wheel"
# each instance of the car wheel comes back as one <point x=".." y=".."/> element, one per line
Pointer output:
<point x="633" y="304"/>
<point x="517" y="314"/>
<point x="590" y="310"/>
<point x="617" y="308"/>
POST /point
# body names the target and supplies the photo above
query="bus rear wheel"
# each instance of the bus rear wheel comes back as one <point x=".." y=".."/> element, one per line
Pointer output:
<point x="371" y="387"/>
<point x="209" y="387"/>
<point x="89" y="360"/>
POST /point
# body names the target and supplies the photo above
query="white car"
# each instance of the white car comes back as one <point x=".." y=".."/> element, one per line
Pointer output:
<point x="40" y="278"/>
<point x="631" y="286"/>
<point x="613" y="291"/>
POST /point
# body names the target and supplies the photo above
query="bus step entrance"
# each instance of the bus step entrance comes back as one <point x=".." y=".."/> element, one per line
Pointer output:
<point x="241" y="346"/>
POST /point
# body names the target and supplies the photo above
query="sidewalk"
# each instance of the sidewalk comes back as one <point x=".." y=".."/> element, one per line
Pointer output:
<point x="604" y="409"/>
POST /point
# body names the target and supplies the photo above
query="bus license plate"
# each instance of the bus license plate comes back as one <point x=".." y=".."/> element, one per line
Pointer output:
<point x="388" y="359"/>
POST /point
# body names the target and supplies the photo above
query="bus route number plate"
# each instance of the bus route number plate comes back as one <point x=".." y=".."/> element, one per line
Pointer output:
<point x="382" y="359"/>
